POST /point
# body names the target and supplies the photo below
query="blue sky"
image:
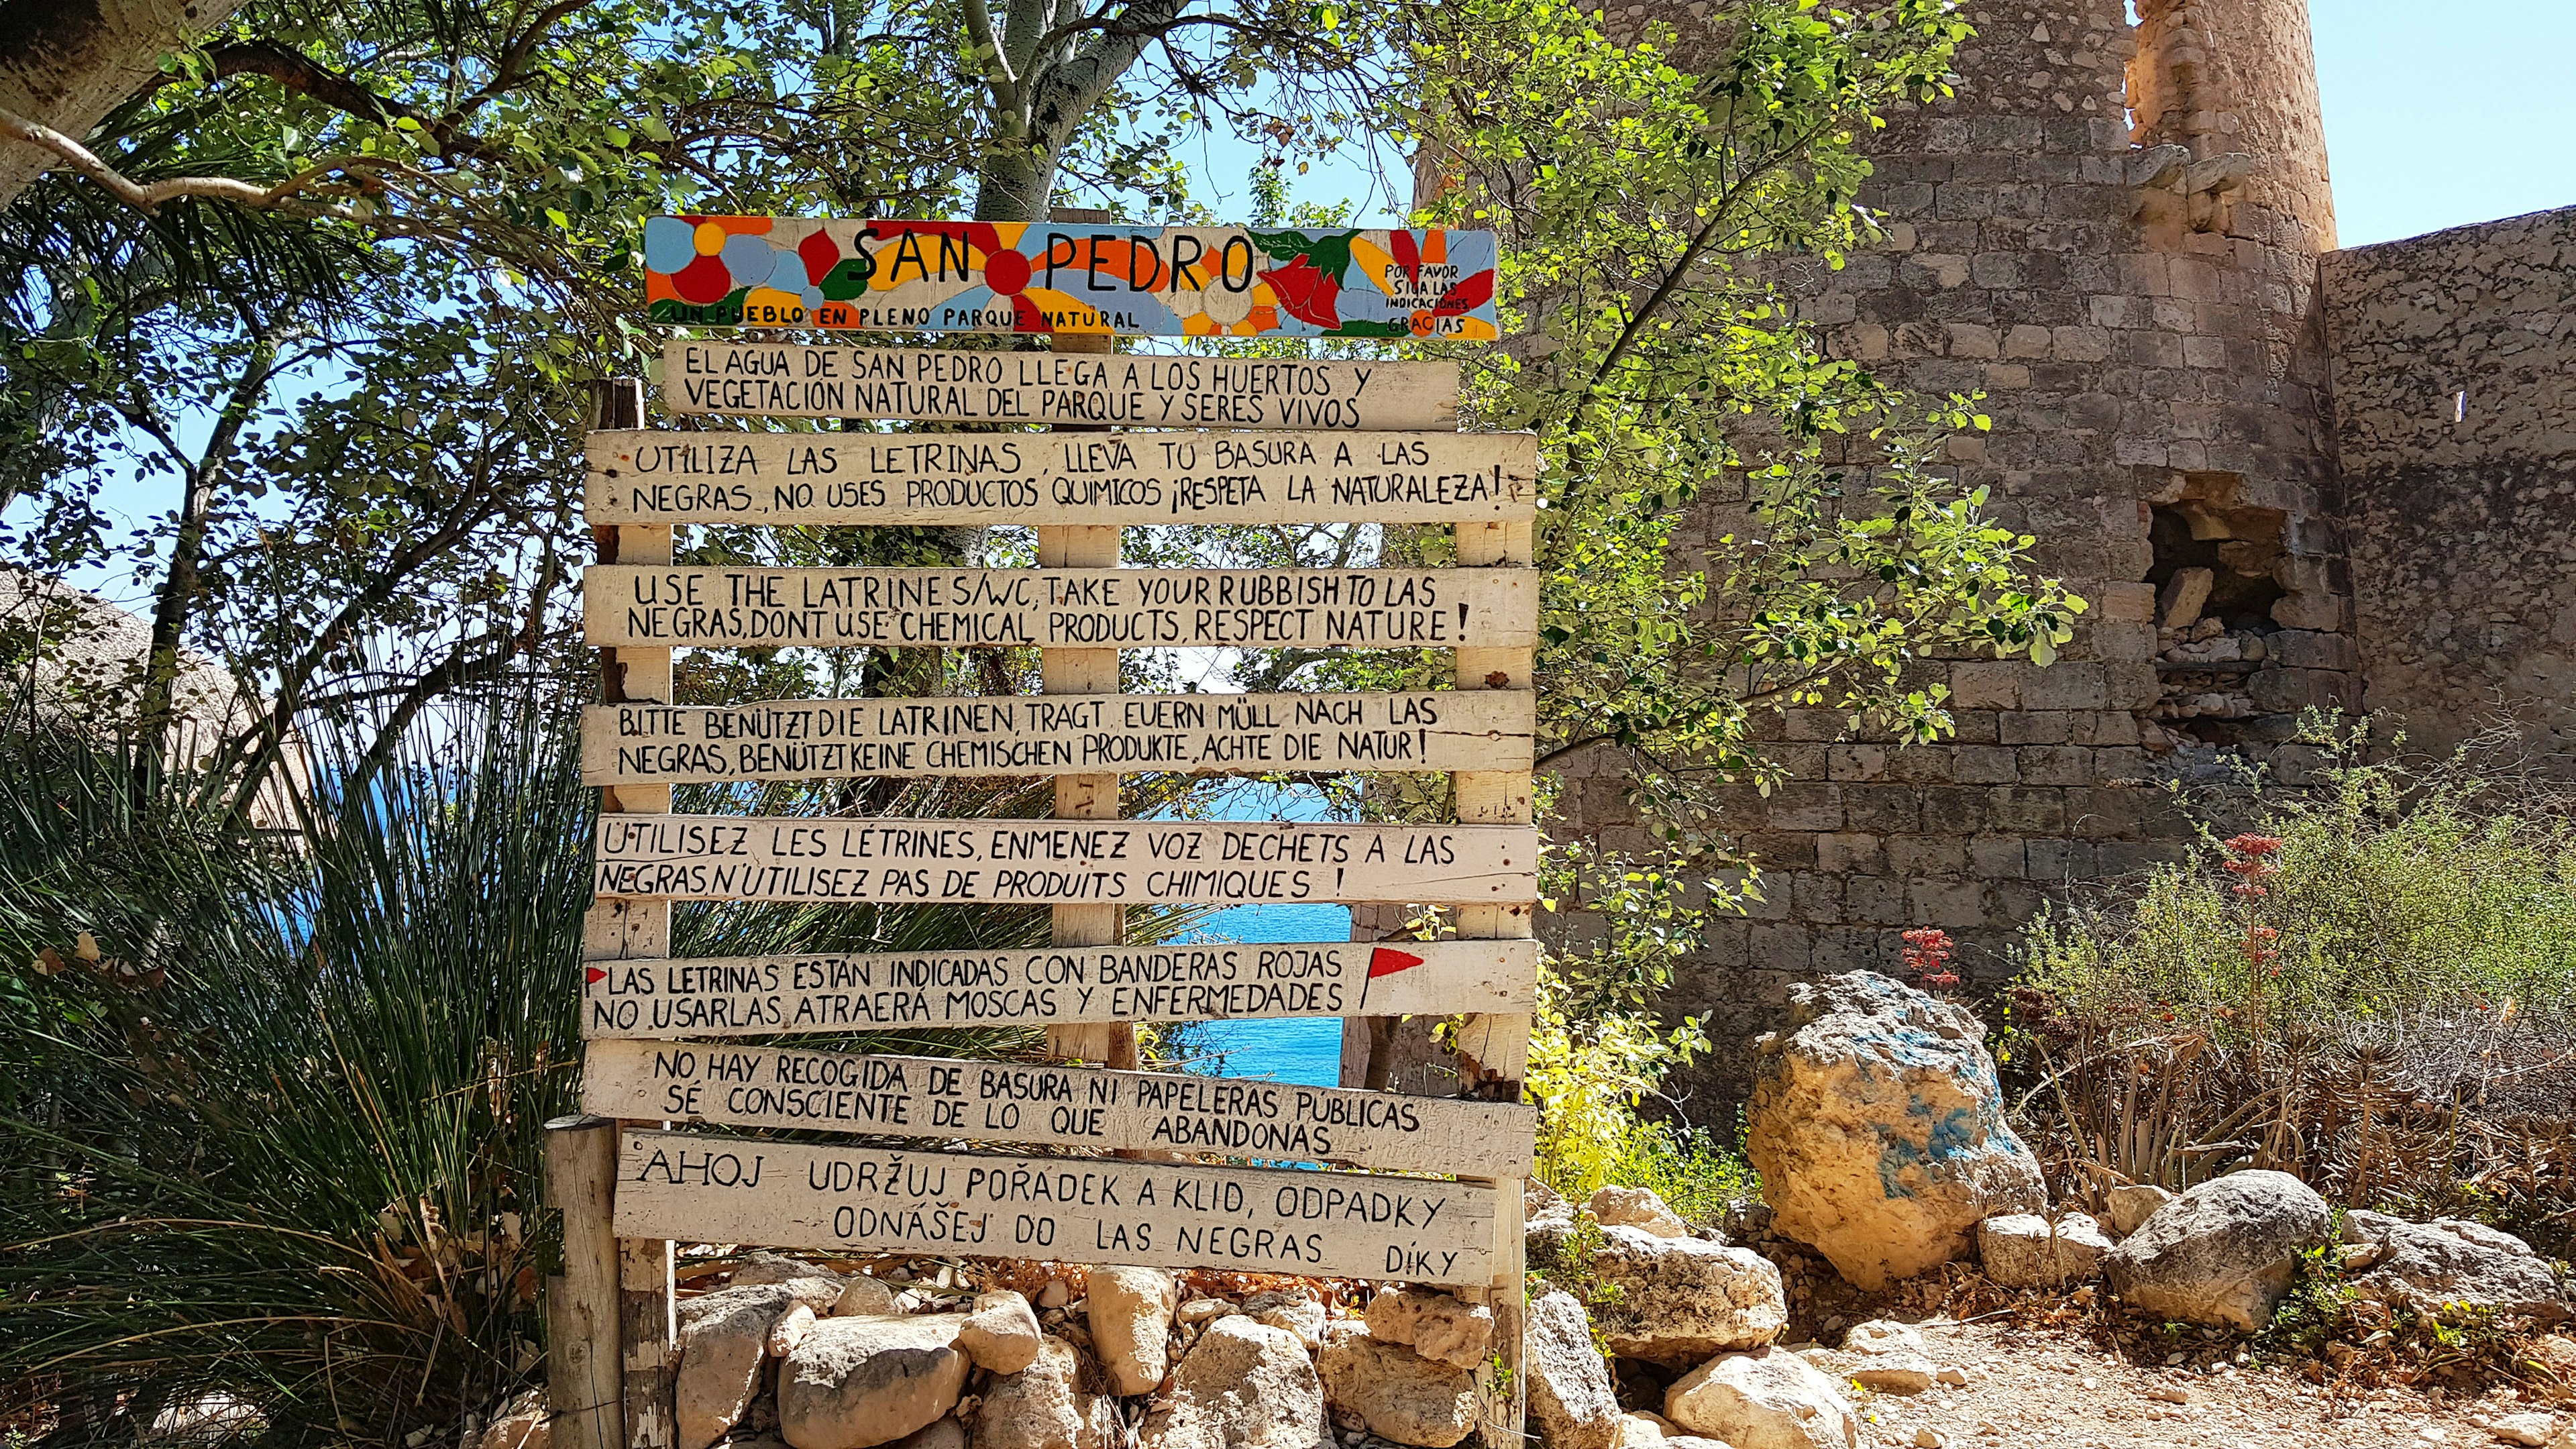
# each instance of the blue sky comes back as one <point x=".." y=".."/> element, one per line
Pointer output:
<point x="2440" y="113"/>
<point x="2431" y="121"/>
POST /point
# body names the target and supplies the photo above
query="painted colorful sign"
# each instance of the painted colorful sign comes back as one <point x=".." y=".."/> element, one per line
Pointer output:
<point x="1138" y="281"/>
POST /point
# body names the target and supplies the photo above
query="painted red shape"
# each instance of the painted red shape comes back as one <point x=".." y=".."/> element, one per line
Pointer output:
<point x="820" y="254"/>
<point x="1383" y="962"/>
<point x="1006" y="273"/>
<point x="1400" y="245"/>
<point x="595" y="975"/>
<point x="1308" y="294"/>
<point x="703" y="282"/>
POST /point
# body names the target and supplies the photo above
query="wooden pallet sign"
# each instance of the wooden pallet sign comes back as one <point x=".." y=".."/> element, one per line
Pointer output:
<point x="1077" y="277"/>
<point x="1224" y="734"/>
<point x="1089" y="1210"/>
<point x="926" y="479"/>
<point x="939" y="385"/>
<point x="732" y="996"/>
<point x="1095" y="608"/>
<point x="1050" y="862"/>
<point x="1020" y="1102"/>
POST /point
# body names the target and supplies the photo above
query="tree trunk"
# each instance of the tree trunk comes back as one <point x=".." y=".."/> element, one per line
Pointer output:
<point x="67" y="63"/>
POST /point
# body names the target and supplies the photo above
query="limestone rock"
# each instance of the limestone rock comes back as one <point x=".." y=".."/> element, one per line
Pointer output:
<point x="1042" y="1406"/>
<point x="2223" y="1252"/>
<point x="2132" y="1204"/>
<point x="1893" y="1373"/>
<point x="1001" y="1333"/>
<point x="1682" y="1300"/>
<point x="856" y="1382"/>
<point x="723" y="1338"/>
<point x="1243" y="1385"/>
<point x="1433" y="1324"/>
<point x="814" y="1293"/>
<point x="1200" y="1310"/>
<point x="1637" y="1207"/>
<point x="760" y="1268"/>
<point x="1882" y="1335"/>
<point x="1397" y="1393"/>
<point x="1571" y="1399"/>
<point x="2025" y="1250"/>
<point x="1294" y="1311"/>
<point x="2427" y="1266"/>
<point x="945" y="1434"/>
<point x="863" y="1297"/>
<point x="1877" y="1124"/>
<point x="1763" y="1400"/>
<point x="523" y="1423"/>
<point x="1641" y="1431"/>
<point x="2534" y="1430"/>
<point x="790" y="1330"/>
<point x="1131" y="1325"/>
<point x="1547" y="1225"/>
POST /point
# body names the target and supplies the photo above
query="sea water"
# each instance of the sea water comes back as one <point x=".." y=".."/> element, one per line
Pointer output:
<point x="1305" y="1050"/>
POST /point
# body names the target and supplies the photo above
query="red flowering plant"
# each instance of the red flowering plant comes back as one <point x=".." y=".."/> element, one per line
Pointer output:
<point x="1927" y="955"/>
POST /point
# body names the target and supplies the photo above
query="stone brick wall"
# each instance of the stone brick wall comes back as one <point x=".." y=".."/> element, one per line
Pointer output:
<point x="2455" y="428"/>
<point x="2142" y="322"/>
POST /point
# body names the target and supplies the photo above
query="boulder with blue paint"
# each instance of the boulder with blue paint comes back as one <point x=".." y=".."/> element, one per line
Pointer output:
<point x="1877" y="1124"/>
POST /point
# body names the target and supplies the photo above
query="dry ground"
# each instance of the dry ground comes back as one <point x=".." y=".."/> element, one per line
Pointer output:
<point x="2052" y="1389"/>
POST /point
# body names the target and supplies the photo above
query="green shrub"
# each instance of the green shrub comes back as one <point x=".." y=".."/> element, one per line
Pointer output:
<point x="2364" y="995"/>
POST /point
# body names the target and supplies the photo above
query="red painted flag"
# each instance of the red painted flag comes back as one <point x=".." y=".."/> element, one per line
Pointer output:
<point x="1383" y="962"/>
<point x="596" y="976"/>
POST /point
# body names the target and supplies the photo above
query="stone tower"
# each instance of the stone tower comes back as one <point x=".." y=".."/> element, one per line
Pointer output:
<point x="2112" y="232"/>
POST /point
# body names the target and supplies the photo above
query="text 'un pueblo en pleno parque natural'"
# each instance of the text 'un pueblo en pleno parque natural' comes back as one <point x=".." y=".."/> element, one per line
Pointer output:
<point x="1039" y="734"/>
<point x="1083" y="1210"/>
<point x="1059" y="478"/>
<point x="1054" y="986"/>
<point x="1019" y="1102"/>
<point x="649" y="607"/>
<point x="936" y="385"/>
<point x="757" y="858"/>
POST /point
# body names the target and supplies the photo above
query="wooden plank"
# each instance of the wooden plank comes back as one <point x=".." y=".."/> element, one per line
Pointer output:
<point x="1077" y="478"/>
<point x="1057" y="986"/>
<point x="938" y="385"/>
<point x="585" y="1379"/>
<point x="1018" y="1102"/>
<point x="1223" y="734"/>
<point x="1078" y="1209"/>
<point x="1069" y="277"/>
<point x="1060" y="862"/>
<point x="1064" y="608"/>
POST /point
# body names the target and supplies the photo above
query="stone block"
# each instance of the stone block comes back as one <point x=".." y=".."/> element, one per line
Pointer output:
<point x="2321" y="612"/>
<point x="2286" y="691"/>
<point x="1856" y="762"/>
<point x="2204" y="352"/>
<point x="1955" y="809"/>
<point x="2129" y="686"/>
<point x="1816" y="897"/>
<point x="2127" y="603"/>
<point x="1925" y="854"/>
<point x="2309" y="649"/>
<point x="1947" y="903"/>
<point x="2079" y="344"/>
<point x="1780" y="946"/>
<point x="2035" y="809"/>
<point x="1987" y="685"/>
<point x="2047" y="727"/>
<point x="1844" y="853"/>
<point x="1875" y="900"/>
<point x="2060" y="860"/>
<point x="1882" y="809"/>
<point x="1997" y="857"/>
<point x="2025" y="340"/>
<point x="1969" y="339"/>
<point x="2067" y="684"/>
<point x="1797" y="806"/>
<point x="1986" y="764"/>
<point x="2056" y="765"/>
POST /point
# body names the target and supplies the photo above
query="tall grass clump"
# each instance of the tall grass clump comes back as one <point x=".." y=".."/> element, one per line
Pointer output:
<point x="2370" y="989"/>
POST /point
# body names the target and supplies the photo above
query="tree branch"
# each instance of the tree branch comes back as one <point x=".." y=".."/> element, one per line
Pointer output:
<point x="149" y="198"/>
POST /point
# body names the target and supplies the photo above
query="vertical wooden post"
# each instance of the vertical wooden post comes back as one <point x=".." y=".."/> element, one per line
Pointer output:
<point x="627" y="930"/>
<point x="1085" y="671"/>
<point x="1493" y="1051"/>
<point x="584" y="1384"/>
